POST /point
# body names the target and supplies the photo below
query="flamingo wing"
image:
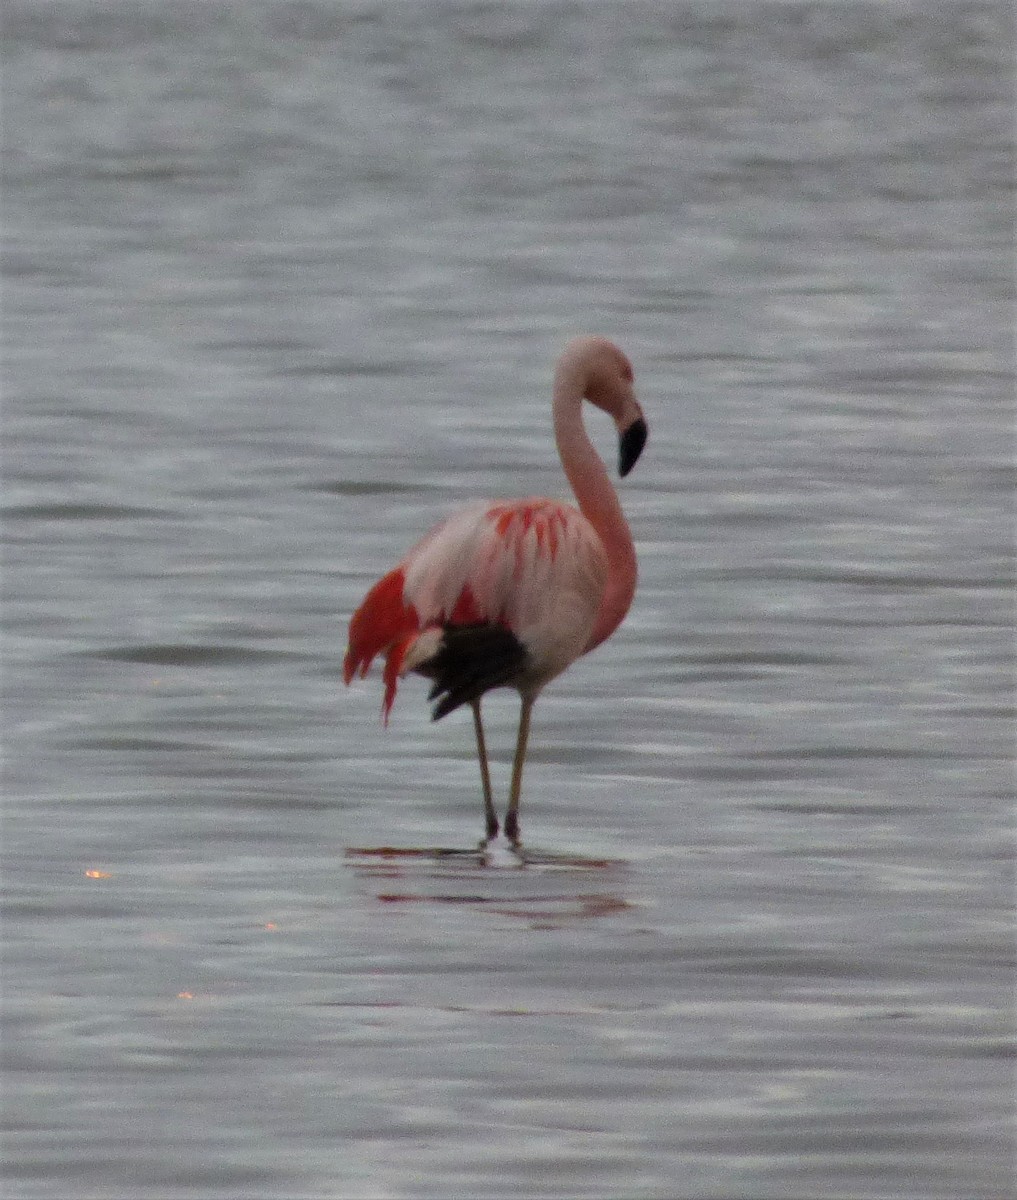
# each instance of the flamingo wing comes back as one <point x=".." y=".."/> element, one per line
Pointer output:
<point x="499" y="593"/>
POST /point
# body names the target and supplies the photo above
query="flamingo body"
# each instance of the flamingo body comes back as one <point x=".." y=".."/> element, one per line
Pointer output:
<point x="510" y="593"/>
<point x="535" y="568"/>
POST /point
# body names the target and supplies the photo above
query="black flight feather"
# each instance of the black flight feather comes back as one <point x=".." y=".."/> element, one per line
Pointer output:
<point x="470" y="661"/>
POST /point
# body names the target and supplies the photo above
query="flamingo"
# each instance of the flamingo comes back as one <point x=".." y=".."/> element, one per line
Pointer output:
<point x="510" y="593"/>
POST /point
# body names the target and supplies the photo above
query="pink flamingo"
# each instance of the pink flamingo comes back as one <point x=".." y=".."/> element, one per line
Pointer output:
<point x="510" y="593"/>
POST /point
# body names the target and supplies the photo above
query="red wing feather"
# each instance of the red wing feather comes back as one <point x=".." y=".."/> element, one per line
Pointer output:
<point x="383" y="618"/>
<point x="385" y="623"/>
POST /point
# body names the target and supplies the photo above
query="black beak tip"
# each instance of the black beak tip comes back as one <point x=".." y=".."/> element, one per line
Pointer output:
<point x="630" y="446"/>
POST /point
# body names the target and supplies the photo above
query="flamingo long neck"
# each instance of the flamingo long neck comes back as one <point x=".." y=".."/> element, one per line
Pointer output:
<point x="598" y="502"/>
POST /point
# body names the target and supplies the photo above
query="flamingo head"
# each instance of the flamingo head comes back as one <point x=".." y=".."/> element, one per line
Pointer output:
<point x="603" y="375"/>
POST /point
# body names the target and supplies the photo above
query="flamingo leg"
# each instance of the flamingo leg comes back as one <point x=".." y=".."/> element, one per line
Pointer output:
<point x="512" y="813"/>
<point x="491" y="817"/>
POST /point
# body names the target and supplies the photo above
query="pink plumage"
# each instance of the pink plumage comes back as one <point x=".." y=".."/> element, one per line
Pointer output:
<point x="510" y="593"/>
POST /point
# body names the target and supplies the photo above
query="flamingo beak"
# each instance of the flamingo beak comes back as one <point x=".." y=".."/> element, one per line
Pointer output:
<point x="630" y="445"/>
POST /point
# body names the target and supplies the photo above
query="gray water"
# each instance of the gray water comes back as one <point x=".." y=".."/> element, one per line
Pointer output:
<point x="284" y="285"/>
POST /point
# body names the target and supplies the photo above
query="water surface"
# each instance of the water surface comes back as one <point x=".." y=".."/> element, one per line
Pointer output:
<point x="285" y="283"/>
